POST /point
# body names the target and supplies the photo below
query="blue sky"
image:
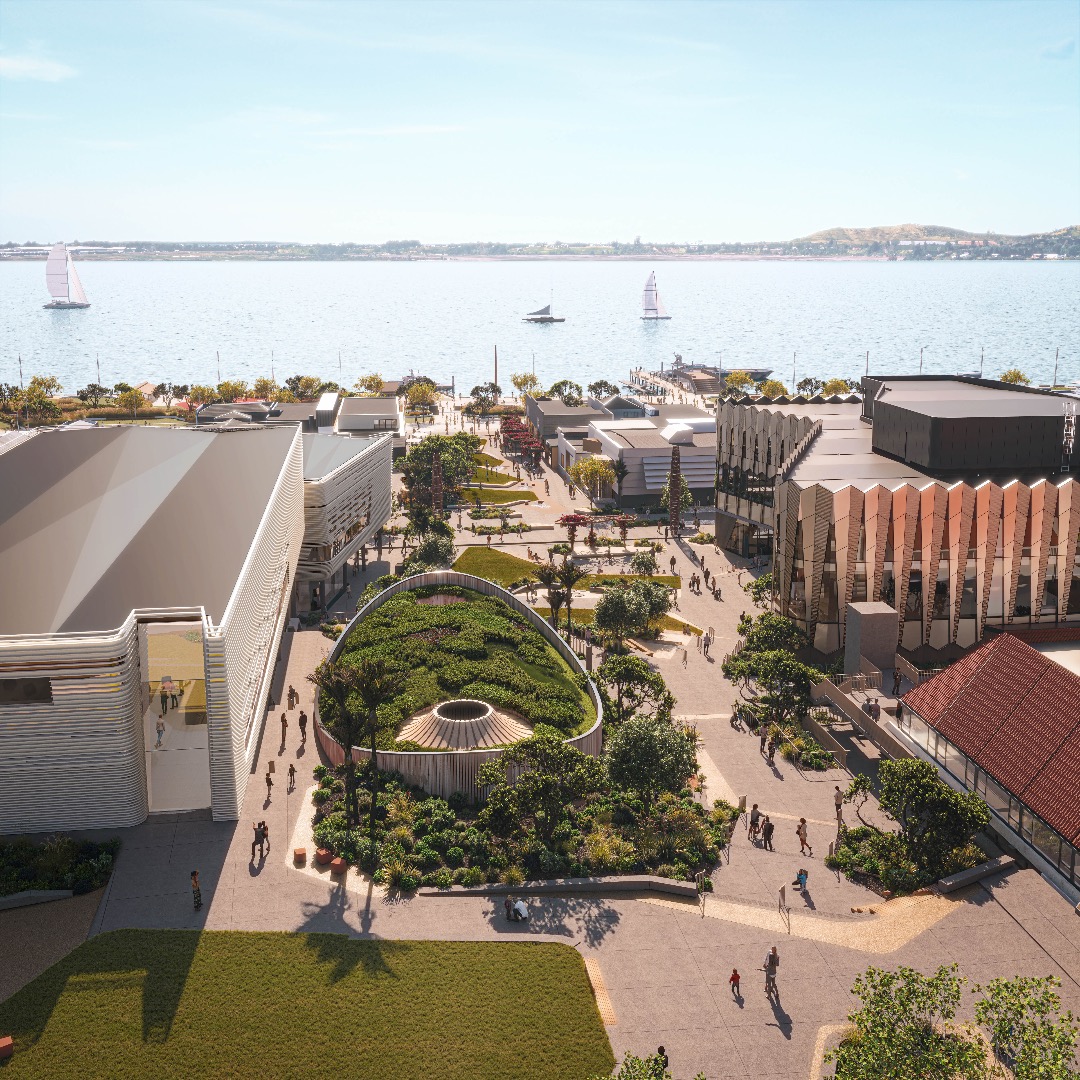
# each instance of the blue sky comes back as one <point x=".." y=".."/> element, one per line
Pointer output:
<point x="329" y="121"/>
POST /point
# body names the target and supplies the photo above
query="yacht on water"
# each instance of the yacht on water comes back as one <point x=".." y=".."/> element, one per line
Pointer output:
<point x="542" y="316"/>
<point x="651" y="304"/>
<point x="64" y="285"/>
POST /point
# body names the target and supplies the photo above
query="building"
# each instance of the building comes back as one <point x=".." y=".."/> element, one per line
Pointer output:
<point x="545" y="415"/>
<point x="370" y="415"/>
<point x="1004" y="721"/>
<point x="953" y="499"/>
<point x="141" y="567"/>
<point x="347" y="486"/>
<point x="643" y="446"/>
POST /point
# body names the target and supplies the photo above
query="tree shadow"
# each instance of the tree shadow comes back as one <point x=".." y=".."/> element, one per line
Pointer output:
<point x="587" y="919"/>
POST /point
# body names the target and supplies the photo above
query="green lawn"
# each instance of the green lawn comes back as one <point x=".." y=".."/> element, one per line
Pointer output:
<point x="493" y="565"/>
<point x="584" y="616"/>
<point x="179" y="1003"/>
<point x="495" y="495"/>
<point x="486" y="460"/>
<point x="483" y="475"/>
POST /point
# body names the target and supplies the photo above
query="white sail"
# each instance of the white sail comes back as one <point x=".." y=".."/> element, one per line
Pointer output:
<point x="74" y="284"/>
<point x="651" y="304"/>
<point x="543" y="311"/>
<point x="56" y="272"/>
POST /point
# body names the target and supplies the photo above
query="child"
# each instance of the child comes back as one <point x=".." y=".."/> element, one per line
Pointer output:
<point x="292" y="777"/>
<point x="734" y="981"/>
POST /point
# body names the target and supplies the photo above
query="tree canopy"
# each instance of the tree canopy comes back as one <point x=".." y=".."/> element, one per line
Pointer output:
<point x="1016" y="377"/>
<point x="631" y="688"/>
<point x="603" y="389"/>
<point x="592" y="474"/>
<point x="647" y="755"/>
<point x="568" y="392"/>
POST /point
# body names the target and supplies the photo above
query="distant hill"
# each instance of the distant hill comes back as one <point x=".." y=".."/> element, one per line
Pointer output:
<point x="885" y="234"/>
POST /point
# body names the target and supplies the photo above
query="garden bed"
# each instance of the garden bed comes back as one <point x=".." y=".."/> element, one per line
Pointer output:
<point x="57" y="862"/>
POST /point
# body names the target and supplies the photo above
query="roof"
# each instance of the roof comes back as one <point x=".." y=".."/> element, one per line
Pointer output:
<point x="295" y="412"/>
<point x="1016" y="714"/>
<point x="619" y="401"/>
<point x="97" y="522"/>
<point x="960" y="397"/>
<point x="365" y="406"/>
<point x="556" y="407"/>
<point x="325" y="453"/>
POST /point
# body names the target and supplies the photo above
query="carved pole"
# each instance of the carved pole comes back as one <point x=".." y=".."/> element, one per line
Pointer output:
<point x="675" y="492"/>
<point x="436" y="484"/>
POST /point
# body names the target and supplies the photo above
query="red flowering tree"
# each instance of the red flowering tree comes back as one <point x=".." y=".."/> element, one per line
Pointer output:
<point x="573" y="522"/>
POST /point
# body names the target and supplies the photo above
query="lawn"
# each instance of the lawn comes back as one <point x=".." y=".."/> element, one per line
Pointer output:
<point x="486" y="460"/>
<point x="493" y="565"/>
<point x="584" y="616"/>
<point x="178" y="1003"/>
<point x="483" y="475"/>
<point x="494" y="495"/>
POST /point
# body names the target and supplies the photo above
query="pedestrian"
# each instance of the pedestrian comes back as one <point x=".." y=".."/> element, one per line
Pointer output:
<point x="733" y="979"/>
<point x="196" y="891"/>
<point x="671" y="563"/>
<point x="754" y="826"/>
<point x="266" y="833"/>
<point x="896" y="682"/>
<point x="292" y="776"/>
<point x="269" y="785"/>
<point x="705" y="645"/>
<point x="684" y="657"/>
<point x="838" y="800"/>
<point x="172" y="696"/>
<point x="767" y="828"/>
<point x="701" y="558"/>
<point x="770" y="965"/>
<point x="348" y="590"/>
<point x="661" y="1053"/>
<point x="764" y="740"/>
<point x="772" y="750"/>
<point x="259" y="839"/>
<point x="705" y="575"/>
<point x="303" y="726"/>
<point x="801" y="879"/>
<point x="294" y="697"/>
<point x="804" y="844"/>
<point x="284" y="727"/>
<point x="717" y="594"/>
<point x="164" y="701"/>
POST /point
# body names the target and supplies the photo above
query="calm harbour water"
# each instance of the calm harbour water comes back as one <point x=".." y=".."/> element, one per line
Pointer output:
<point x="166" y="320"/>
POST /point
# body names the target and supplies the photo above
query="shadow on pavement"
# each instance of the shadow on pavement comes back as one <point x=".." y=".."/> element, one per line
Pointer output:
<point x="587" y="919"/>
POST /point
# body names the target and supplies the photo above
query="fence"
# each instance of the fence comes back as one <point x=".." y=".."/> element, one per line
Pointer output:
<point x="825" y="737"/>
<point x="443" y="773"/>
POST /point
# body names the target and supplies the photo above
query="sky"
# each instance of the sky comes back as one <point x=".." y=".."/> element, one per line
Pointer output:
<point x="330" y="121"/>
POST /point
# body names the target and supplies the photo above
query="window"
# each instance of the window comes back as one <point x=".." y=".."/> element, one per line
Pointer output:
<point x="1046" y="841"/>
<point x="997" y="798"/>
<point x="26" y="692"/>
<point x="386" y="424"/>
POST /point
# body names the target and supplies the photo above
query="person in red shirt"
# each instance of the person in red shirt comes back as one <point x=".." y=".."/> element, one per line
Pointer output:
<point x="734" y="981"/>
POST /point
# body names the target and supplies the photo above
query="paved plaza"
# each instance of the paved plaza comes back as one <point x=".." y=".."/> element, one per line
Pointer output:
<point x="665" y="963"/>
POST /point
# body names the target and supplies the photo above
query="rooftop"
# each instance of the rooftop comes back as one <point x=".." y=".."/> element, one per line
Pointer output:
<point x="950" y="396"/>
<point x="325" y="453"/>
<point x="1016" y="714"/>
<point x="98" y="521"/>
<point x="555" y="406"/>
<point x="366" y="406"/>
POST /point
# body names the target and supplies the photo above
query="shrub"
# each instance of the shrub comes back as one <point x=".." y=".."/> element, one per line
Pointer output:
<point x="455" y="856"/>
<point x="513" y="876"/>
<point x="473" y="876"/>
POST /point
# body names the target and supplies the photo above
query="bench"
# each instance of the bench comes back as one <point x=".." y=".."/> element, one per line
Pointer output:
<point x="299" y="855"/>
<point x="323" y="856"/>
<point x="976" y="873"/>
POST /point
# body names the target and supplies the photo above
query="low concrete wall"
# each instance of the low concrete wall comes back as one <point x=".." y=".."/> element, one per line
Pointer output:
<point x="976" y="873"/>
<point x="33" y="896"/>
<point x="593" y="886"/>
<point x="823" y="736"/>
<point x="443" y="773"/>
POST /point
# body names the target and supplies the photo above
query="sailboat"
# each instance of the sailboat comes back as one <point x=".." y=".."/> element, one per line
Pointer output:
<point x="542" y="316"/>
<point x="651" y="303"/>
<point x="63" y="282"/>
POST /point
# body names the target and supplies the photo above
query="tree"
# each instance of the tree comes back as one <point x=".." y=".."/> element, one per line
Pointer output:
<point x="201" y="395"/>
<point x="934" y="819"/>
<point x="304" y="387"/>
<point x="1015" y="377"/>
<point x="547" y="774"/>
<point x="644" y="562"/>
<point x="370" y="384"/>
<point x="421" y="394"/>
<point x="232" y="389"/>
<point x="592" y="474"/>
<point x="686" y="501"/>
<point x="738" y="382"/>
<point x="631" y="688"/>
<point x="573" y="522"/>
<point x="122" y="388"/>
<point x="38" y="404"/>
<point x="93" y="394"/>
<point x="836" y="386"/>
<point x="759" y="590"/>
<point x="770" y="631"/>
<point x="548" y="576"/>
<point x="809" y="386"/>
<point x="904" y="1029"/>
<point x="651" y="599"/>
<point x="433" y="552"/>
<point x="525" y="382"/>
<point x="648" y="756"/>
<point x="265" y="389"/>
<point x="569" y="393"/>
<point x="857" y="792"/>
<point x="337" y="685"/>
<point x="1026" y="1028"/>
<point x="485" y="397"/>
<point x="569" y="576"/>
<point x="49" y="385"/>
<point x="133" y="400"/>
<point x="773" y="388"/>
<point x="620" y="469"/>
<point x="784" y="681"/>
<point x="616" y="614"/>
<point x="455" y="457"/>
<point x="602" y="389"/>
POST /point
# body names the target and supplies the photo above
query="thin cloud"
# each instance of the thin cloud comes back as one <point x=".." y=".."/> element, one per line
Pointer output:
<point x="1061" y="51"/>
<point x="399" y="129"/>
<point x="34" y="68"/>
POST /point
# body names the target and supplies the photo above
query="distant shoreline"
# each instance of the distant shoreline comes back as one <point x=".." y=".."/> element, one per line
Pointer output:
<point x="249" y="257"/>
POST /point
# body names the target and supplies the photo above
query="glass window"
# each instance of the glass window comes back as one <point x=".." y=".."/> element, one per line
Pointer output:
<point x="997" y="798"/>
<point x="1045" y="840"/>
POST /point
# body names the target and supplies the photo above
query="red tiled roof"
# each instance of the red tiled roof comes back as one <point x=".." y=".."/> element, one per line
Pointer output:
<point x="1016" y="714"/>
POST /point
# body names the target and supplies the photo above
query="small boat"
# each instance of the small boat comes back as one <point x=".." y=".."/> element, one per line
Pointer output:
<point x="542" y="316"/>
<point x="651" y="303"/>
<point x="64" y="285"/>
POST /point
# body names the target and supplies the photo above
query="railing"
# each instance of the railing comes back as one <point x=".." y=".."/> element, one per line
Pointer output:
<point x="443" y="773"/>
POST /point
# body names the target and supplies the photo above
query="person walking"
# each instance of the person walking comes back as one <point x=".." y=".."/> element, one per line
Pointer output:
<point x="767" y="828"/>
<point x="661" y="1053"/>
<point x="196" y="891"/>
<point x="770" y="966"/>
<point x="671" y="562"/>
<point x="772" y="750"/>
<point x="733" y="981"/>
<point x="269" y="784"/>
<point x="294" y="697"/>
<point x="800" y="832"/>
<point x="292" y="776"/>
<point x="896" y="682"/>
<point x="303" y="726"/>
<point x="705" y="575"/>
<point x="284" y="727"/>
<point x="705" y="644"/>
<point x="764" y="739"/>
<point x="259" y="839"/>
<point x="754" y="824"/>
<point x="838" y="800"/>
<point x="160" y="727"/>
<point x="164" y="696"/>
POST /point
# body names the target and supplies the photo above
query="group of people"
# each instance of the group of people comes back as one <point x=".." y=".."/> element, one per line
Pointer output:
<point x="261" y="840"/>
<point x="759" y="827"/>
<point x="770" y="740"/>
<point x="516" y="911"/>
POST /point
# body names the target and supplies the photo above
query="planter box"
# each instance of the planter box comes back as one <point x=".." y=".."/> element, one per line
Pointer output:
<point x="338" y="866"/>
<point x="299" y="855"/>
<point x="323" y="857"/>
<point x="7" y="1047"/>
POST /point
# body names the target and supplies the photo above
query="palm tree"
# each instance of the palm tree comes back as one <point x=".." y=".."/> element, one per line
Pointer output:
<point x="338" y="683"/>
<point x="568" y="576"/>
<point x="620" y="469"/>
<point x="548" y="576"/>
<point x="376" y="684"/>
